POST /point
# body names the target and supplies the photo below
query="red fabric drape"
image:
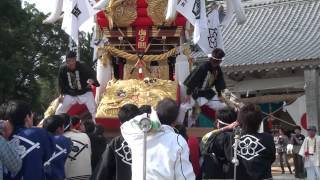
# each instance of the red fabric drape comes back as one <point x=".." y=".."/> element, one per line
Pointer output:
<point x="194" y="154"/>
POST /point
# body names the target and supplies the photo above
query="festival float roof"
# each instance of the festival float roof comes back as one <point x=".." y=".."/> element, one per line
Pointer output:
<point x="277" y="34"/>
<point x="122" y="19"/>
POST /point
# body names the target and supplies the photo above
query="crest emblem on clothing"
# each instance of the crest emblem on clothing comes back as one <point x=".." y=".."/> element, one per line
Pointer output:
<point x="76" y="149"/>
<point x="125" y="153"/>
<point x="249" y="147"/>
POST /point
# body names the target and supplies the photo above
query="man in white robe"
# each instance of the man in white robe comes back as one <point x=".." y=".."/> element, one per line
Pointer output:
<point x="310" y="150"/>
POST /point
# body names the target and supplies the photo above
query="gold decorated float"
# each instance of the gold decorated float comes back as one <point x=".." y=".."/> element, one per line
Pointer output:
<point x="138" y="92"/>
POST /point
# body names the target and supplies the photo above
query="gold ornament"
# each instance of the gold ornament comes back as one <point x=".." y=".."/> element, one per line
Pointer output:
<point x="122" y="13"/>
<point x="136" y="92"/>
<point x="157" y="12"/>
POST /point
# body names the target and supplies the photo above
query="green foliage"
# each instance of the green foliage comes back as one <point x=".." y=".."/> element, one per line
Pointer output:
<point x="86" y="52"/>
<point x="30" y="54"/>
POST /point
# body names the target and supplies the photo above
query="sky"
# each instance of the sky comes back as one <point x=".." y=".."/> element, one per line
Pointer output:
<point x="47" y="6"/>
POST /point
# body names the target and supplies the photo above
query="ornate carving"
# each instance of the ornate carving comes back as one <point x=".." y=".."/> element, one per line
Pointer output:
<point x="122" y="12"/>
<point x="157" y="12"/>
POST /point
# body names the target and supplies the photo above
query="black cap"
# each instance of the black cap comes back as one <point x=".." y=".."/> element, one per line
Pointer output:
<point x="71" y="54"/>
<point x="312" y="128"/>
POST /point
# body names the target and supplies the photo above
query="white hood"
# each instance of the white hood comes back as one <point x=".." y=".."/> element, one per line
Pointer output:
<point x="167" y="152"/>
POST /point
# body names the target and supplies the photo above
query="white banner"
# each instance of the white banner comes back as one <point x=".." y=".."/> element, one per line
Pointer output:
<point x="211" y="38"/>
<point x="195" y="12"/>
<point x="76" y="12"/>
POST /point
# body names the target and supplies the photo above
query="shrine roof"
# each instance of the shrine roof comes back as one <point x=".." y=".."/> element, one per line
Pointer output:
<point x="275" y="33"/>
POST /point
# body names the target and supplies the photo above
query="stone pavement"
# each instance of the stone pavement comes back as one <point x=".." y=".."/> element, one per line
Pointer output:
<point x="276" y="173"/>
<point x="285" y="177"/>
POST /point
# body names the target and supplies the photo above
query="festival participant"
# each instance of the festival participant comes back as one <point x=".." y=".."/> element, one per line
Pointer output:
<point x="9" y="158"/>
<point x="145" y="109"/>
<point x="98" y="144"/>
<point x="55" y="125"/>
<point x="281" y="147"/>
<point x="215" y="165"/>
<point x="296" y="140"/>
<point x="97" y="139"/>
<point x="202" y="79"/>
<point x="75" y="123"/>
<point x="255" y="151"/>
<point x="116" y="159"/>
<point x="310" y="150"/>
<point x="75" y="80"/>
<point x="167" y="152"/>
<point x="87" y="127"/>
<point x="34" y="145"/>
<point x="78" y="164"/>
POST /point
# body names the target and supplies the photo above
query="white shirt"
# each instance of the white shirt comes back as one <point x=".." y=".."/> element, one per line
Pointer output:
<point x="79" y="161"/>
<point x="314" y="159"/>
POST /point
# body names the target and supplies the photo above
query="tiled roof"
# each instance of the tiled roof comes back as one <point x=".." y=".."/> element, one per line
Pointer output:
<point x="278" y="31"/>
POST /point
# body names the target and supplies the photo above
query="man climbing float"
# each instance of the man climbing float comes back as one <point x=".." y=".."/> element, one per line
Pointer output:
<point x="75" y="80"/>
<point x="203" y="78"/>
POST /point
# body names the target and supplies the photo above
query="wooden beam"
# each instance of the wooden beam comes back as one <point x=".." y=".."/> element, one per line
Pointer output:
<point x="153" y="32"/>
<point x="271" y="98"/>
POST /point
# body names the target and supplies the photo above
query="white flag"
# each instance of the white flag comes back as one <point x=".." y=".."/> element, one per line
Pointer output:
<point x="76" y="12"/>
<point x="195" y="12"/>
<point x="211" y="38"/>
<point x="297" y="111"/>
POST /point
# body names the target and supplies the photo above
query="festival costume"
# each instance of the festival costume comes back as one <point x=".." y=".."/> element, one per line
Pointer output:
<point x="78" y="164"/>
<point x="200" y="83"/>
<point x="57" y="161"/>
<point x="116" y="161"/>
<point x="255" y="152"/>
<point x="167" y="153"/>
<point x="35" y="146"/>
<point x="73" y="85"/>
<point x="310" y="150"/>
<point x="98" y="146"/>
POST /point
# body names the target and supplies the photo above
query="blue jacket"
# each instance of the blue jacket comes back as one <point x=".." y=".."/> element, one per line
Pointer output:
<point x="35" y="146"/>
<point x="55" y="165"/>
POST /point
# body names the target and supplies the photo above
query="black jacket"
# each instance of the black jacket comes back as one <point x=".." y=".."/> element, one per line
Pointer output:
<point x="216" y="162"/>
<point x="256" y="153"/>
<point x="196" y="79"/>
<point x="115" y="163"/>
<point x="98" y="146"/>
<point x="85" y="73"/>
